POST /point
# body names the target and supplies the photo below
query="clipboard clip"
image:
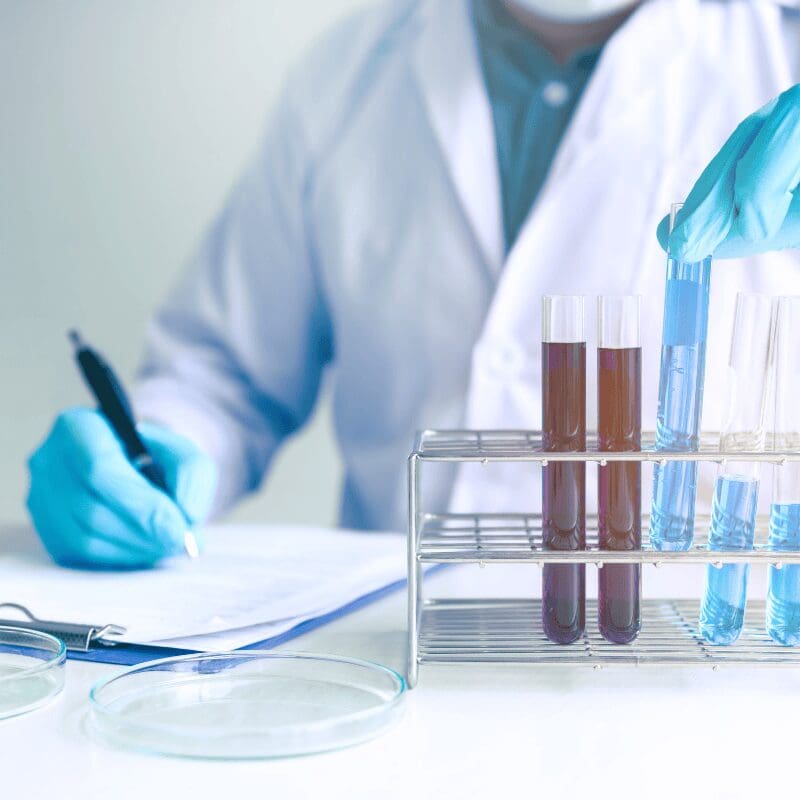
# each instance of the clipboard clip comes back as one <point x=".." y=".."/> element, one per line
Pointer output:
<point x="75" y="636"/>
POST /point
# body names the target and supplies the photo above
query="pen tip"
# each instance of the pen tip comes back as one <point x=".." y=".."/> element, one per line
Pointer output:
<point x="75" y="338"/>
<point x="190" y="545"/>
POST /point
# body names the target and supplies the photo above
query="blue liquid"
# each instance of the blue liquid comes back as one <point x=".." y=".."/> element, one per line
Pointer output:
<point x="672" y="511"/>
<point x="680" y="402"/>
<point x="783" y="595"/>
<point x="733" y="519"/>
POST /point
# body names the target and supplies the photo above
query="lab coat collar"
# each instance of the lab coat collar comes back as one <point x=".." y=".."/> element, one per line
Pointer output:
<point x="643" y="67"/>
<point x="448" y="71"/>
<point x="651" y="44"/>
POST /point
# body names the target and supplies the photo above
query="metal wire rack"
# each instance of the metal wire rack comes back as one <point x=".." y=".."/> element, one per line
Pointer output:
<point x="511" y="538"/>
<point x="514" y="445"/>
<point x="509" y="631"/>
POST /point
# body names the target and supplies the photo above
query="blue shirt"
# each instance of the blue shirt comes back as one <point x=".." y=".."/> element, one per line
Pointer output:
<point x="532" y="98"/>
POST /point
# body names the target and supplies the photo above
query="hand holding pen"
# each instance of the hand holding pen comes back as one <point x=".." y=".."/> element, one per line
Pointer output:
<point x="107" y="493"/>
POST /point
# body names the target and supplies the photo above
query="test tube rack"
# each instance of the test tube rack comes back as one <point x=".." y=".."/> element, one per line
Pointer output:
<point x="480" y="630"/>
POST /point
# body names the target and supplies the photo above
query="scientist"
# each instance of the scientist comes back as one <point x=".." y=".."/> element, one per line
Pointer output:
<point x="431" y="169"/>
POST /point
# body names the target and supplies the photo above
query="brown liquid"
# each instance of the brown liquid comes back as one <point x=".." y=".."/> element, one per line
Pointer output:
<point x="619" y="428"/>
<point x="564" y="488"/>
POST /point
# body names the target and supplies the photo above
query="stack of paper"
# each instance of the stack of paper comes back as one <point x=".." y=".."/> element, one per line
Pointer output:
<point x="251" y="583"/>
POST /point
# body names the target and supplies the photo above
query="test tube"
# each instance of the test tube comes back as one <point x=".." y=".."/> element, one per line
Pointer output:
<point x="563" y="482"/>
<point x="680" y="399"/>
<point x="733" y="510"/>
<point x="783" y="593"/>
<point x="619" y="428"/>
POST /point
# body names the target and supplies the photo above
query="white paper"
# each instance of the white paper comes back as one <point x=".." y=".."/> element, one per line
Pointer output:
<point x="251" y="582"/>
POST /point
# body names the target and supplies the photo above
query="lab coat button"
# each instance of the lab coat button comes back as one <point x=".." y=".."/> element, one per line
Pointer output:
<point x="555" y="93"/>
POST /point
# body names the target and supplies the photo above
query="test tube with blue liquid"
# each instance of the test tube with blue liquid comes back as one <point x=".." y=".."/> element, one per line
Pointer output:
<point x="680" y="399"/>
<point x="783" y="593"/>
<point x="733" y="510"/>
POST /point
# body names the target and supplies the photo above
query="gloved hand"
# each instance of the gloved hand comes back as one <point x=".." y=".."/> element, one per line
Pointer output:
<point x="744" y="202"/>
<point x="91" y="508"/>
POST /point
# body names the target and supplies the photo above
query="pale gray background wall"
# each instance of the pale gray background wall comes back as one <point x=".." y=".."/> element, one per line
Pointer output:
<point x="122" y="127"/>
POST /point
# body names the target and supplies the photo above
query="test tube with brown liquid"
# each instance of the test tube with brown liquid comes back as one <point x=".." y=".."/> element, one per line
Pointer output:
<point x="619" y="428"/>
<point x="563" y="482"/>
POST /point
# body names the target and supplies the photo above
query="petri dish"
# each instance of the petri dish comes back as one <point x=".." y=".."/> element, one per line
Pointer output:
<point x="32" y="666"/>
<point x="247" y="704"/>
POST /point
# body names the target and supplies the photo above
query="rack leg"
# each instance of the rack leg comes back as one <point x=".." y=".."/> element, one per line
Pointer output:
<point x="414" y="574"/>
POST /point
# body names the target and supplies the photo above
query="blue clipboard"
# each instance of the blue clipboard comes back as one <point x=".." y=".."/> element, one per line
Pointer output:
<point x="89" y="642"/>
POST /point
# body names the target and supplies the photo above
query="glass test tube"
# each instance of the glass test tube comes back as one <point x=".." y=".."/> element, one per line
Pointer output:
<point x="733" y="510"/>
<point x="680" y="399"/>
<point x="563" y="483"/>
<point x="783" y="594"/>
<point x="619" y="428"/>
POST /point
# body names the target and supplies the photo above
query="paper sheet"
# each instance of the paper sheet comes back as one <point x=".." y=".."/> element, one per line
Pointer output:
<point x="251" y="582"/>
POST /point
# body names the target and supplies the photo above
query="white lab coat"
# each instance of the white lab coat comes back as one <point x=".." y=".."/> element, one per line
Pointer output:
<point x="367" y="235"/>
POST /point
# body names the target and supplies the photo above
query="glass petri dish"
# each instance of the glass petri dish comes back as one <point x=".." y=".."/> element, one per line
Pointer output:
<point x="247" y="704"/>
<point x="32" y="666"/>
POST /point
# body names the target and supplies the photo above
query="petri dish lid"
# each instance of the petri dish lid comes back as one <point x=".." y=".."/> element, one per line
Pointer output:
<point x="32" y="666"/>
<point x="247" y="704"/>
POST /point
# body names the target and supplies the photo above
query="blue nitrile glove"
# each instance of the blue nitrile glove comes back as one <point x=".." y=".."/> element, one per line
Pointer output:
<point x="91" y="508"/>
<point x="744" y="202"/>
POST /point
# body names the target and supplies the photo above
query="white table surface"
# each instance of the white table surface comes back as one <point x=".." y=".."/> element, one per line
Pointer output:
<point x="468" y="731"/>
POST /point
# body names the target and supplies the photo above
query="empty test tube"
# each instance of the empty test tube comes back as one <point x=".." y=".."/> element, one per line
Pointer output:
<point x="733" y="511"/>
<point x="680" y="399"/>
<point x="783" y="593"/>
<point x="619" y="428"/>
<point x="563" y="482"/>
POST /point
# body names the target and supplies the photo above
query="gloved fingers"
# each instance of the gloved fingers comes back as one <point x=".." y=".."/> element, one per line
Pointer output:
<point x="768" y="173"/>
<point x="709" y="211"/>
<point x="84" y="439"/>
<point x="146" y="519"/>
<point x="97" y="459"/>
<point x="104" y="530"/>
<point x="87" y="500"/>
<point x="148" y="515"/>
<point x="68" y="537"/>
<point x="190" y="474"/>
<point x="97" y="554"/>
<point x="89" y="452"/>
<point x="788" y="236"/>
<point x="662" y="232"/>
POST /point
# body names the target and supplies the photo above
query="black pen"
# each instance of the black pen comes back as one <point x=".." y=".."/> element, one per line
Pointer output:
<point x="114" y="405"/>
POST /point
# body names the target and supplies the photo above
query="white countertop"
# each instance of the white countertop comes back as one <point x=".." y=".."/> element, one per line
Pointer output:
<point x="469" y="731"/>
